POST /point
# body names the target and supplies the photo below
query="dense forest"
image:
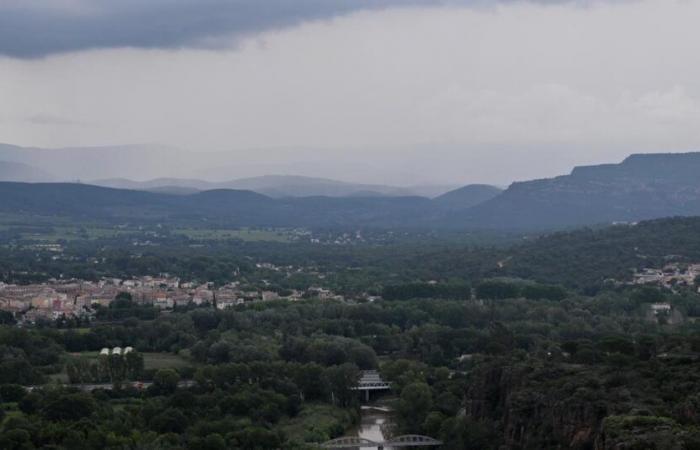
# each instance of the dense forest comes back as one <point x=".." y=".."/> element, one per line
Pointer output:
<point x="523" y="346"/>
<point x="499" y="368"/>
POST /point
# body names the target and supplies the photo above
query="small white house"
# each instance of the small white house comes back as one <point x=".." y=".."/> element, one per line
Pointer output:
<point x="660" y="307"/>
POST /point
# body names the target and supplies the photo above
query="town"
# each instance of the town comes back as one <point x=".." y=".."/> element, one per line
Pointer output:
<point x="57" y="299"/>
<point x="670" y="276"/>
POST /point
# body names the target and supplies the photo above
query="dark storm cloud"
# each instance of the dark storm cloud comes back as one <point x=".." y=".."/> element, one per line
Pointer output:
<point x="35" y="28"/>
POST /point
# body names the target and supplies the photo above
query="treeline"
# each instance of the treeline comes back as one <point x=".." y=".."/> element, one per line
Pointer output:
<point x="499" y="290"/>
<point x="427" y="290"/>
<point x="486" y="290"/>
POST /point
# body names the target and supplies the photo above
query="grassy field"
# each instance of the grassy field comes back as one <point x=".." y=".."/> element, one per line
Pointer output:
<point x="46" y="231"/>
<point x="52" y="234"/>
<point x="153" y="361"/>
<point x="244" y="234"/>
<point x="156" y="361"/>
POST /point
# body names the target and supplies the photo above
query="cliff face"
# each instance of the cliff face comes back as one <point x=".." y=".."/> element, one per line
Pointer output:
<point x="553" y="404"/>
<point x="641" y="187"/>
<point x="533" y="416"/>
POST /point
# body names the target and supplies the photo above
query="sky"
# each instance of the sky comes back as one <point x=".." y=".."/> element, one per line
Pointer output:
<point x="404" y="92"/>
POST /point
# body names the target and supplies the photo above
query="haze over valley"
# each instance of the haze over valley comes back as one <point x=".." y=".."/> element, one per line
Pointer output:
<point x="357" y="224"/>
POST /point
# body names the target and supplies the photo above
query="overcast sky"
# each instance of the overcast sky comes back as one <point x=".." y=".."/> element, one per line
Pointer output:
<point x="451" y="91"/>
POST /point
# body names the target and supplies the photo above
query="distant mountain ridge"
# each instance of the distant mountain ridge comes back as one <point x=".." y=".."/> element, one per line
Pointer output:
<point x="468" y="196"/>
<point x="230" y="207"/>
<point x="177" y="168"/>
<point x="13" y="171"/>
<point x="277" y="186"/>
<point x="643" y="186"/>
<point x="639" y="188"/>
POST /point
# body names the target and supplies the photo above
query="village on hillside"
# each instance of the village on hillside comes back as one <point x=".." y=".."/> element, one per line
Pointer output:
<point x="670" y="276"/>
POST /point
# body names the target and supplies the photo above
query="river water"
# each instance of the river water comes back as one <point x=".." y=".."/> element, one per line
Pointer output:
<point x="373" y="423"/>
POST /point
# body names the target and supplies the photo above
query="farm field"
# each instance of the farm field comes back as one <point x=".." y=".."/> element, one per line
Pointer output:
<point x="244" y="234"/>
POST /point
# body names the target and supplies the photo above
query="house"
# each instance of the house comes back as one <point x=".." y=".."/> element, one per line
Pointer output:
<point x="163" y="302"/>
<point x="270" y="295"/>
<point x="647" y="276"/>
<point x="657" y="308"/>
<point x="228" y="303"/>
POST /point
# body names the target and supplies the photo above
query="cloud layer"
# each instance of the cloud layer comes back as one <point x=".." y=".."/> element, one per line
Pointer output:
<point x="36" y="28"/>
<point x="31" y="28"/>
<point x="452" y="94"/>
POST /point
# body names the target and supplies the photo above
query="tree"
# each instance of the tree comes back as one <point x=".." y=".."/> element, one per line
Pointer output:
<point x="123" y="300"/>
<point x="31" y="403"/>
<point x="165" y="381"/>
<point x="310" y="380"/>
<point x="341" y="380"/>
<point x="220" y="352"/>
<point x="213" y="441"/>
<point x="363" y="356"/>
<point x="134" y="365"/>
<point x="543" y="291"/>
<point x="169" y="421"/>
<point x="12" y="392"/>
<point x="16" y="439"/>
<point x="70" y="407"/>
<point x="496" y="290"/>
<point x="415" y="403"/>
<point x="7" y="318"/>
<point x="648" y="294"/>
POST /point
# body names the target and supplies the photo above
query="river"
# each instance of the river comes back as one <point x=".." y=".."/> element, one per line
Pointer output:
<point x="373" y="422"/>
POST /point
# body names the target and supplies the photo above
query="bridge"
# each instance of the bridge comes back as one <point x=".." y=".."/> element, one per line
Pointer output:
<point x="407" y="440"/>
<point x="371" y="381"/>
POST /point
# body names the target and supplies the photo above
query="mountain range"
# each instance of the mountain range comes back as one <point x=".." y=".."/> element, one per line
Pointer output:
<point x="171" y="169"/>
<point x="644" y="186"/>
<point x="277" y="186"/>
<point x="13" y="171"/>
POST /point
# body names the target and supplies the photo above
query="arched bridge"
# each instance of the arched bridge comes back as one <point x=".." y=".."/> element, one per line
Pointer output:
<point x="412" y="440"/>
<point x="349" y="442"/>
<point x="407" y="440"/>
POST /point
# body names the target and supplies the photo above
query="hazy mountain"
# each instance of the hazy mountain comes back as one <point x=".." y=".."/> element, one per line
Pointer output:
<point x="79" y="163"/>
<point x="157" y="184"/>
<point x="203" y="170"/>
<point x="298" y="186"/>
<point x="174" y="190"/>
<point x="468" y="196"/>
<point x="643" y="186"/>
<point x="12" y="171"/>
<point x="277" y="186"/>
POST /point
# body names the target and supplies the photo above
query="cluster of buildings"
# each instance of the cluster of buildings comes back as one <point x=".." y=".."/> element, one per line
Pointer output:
<point x="78" y="298"/>
<point x="670" y="276"/>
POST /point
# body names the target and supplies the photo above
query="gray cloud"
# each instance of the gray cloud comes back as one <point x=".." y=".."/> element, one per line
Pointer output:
<point x="31" y="28"/>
